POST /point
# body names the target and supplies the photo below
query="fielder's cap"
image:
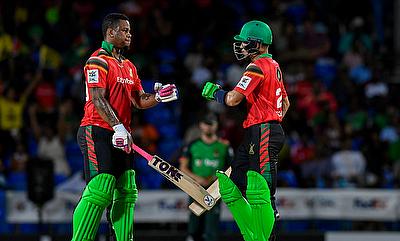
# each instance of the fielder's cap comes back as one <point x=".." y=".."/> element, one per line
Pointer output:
<point x="209" y="119"/>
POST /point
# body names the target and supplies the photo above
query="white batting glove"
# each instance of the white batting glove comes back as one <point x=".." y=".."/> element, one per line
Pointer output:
<point x="121" y="138"/>
<point x="165" y="93"/>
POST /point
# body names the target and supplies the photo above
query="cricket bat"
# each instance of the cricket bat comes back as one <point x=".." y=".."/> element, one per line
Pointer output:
<point x="213" y="190"/>
<point x="179" y="178"/>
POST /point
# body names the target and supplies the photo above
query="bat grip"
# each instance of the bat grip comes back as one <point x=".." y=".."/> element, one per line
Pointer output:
<point x="142" y="152"/>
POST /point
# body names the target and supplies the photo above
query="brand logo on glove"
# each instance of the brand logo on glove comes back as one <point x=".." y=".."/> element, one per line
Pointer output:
<point x="119" y="142"/>
<point x="167" y="169"/>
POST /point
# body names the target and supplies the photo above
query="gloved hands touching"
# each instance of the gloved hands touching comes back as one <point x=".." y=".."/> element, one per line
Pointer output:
<point x="165" y="93"/>
<point x="121" y="138"/>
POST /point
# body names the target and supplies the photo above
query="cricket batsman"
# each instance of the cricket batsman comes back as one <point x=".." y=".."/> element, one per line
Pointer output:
<point x="250" y="191"/>
<point x="113" y="89"/>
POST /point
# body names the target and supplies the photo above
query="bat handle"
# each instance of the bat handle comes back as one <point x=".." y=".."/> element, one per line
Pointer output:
<point x="142" y="152"/>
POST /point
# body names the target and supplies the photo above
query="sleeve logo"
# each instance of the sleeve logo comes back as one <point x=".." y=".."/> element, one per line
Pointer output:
<point x="244" y="82"/>
<point x="93" y="76"/>
<point x="278" y="74"/>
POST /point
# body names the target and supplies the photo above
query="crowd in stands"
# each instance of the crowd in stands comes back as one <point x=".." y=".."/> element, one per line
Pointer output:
<point x="342" y="128"/>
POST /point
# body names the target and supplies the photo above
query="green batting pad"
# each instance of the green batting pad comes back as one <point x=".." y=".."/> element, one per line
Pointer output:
<point x="258" y="196"/>
<point x="122" y="210"/>
<point x="95" y="198"/>
<point x="238" y="205"/>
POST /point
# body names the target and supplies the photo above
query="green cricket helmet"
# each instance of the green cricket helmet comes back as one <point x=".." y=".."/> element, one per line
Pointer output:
<point x="253" y="34"/>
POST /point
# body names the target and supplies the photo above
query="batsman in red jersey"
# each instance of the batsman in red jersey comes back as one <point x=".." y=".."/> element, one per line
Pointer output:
<point x="250" y="193"/>
<point x="113" y="89"/>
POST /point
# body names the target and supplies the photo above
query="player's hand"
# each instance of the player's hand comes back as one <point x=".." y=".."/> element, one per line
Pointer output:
<point x="121" y="138"/>
<point x="209" y="90"/>
<point x="165" y="93"/>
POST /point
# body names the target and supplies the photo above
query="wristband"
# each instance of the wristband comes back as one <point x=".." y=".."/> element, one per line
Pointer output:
<point x="219" y="96"/>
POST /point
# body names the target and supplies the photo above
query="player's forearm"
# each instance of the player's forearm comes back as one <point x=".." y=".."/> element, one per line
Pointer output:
<point x="105" y="111"/>
<point x="285" y="106"/>
<point x="188" y="172"/>
<point x="233" y="98"/>
<point x="195" y="177"/>
<point x="146" y="101"/>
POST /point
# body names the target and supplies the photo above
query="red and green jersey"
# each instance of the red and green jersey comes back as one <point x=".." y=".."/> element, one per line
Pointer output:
<point x="205" y="159"/>
<point x="262" y="84"/>
<point x="119" y="79"/>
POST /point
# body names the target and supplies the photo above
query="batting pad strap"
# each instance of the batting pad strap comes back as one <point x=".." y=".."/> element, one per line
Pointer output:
<point x="258" y="195"/>
<point x="238" y="205"/>
<point x="220" y="96"/>
<point x="122" y="210"/>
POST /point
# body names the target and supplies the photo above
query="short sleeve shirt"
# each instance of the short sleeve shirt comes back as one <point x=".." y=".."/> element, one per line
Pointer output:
<point x="119" y="79"/>
<point x="262" y="84"/>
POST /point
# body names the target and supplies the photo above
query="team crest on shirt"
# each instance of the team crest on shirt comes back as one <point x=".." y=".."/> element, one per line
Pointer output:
<point x="131" y="72"/>
<point x="251" y="148"/>
<point x="93" y="76"/>
<point x="244" y="82"/>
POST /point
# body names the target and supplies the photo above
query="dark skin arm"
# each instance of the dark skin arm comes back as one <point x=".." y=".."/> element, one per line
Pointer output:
<point x="233" y="98"/>
<point x="142" y="100"/>
<point x="103" y="107"/>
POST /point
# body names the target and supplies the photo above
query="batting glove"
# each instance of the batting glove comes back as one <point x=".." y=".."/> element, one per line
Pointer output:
<point x="165" y="93"/>
<point x="121" y="138"/>
<point x="209" y="90"/>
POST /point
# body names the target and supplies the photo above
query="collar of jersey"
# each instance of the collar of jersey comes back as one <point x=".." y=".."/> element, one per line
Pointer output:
<point x="107" y="47"/>
<point x="266" y="55"/>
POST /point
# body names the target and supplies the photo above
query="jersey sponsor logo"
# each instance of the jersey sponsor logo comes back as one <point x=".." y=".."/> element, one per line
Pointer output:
<point x="167" y="170"/>
<point x="206" y="162"/>
<point x="211" y="163"/>
<point x="93" y="76"/>
<point x="125" y="81"/>
<point x="244" y="82"/>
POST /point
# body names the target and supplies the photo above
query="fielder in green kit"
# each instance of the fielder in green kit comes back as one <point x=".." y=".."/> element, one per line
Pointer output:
<point x="200" y="160"/>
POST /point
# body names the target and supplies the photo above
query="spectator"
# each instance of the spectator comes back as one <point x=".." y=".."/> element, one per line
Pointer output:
<point x="348" y="166"/>
<point x="316" y="172"/>
<point x="67" y="121"/>
<point x="17" y="175"/>
<point x="12" y="107"/>
<point x="50" y="145"/>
